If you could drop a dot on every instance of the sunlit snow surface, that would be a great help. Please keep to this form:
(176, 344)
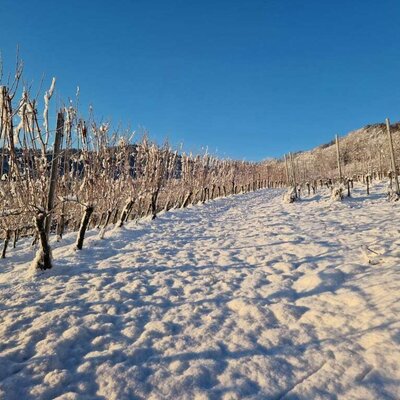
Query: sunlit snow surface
(242, 298)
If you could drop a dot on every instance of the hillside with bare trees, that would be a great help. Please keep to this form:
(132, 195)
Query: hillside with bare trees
(363, 151)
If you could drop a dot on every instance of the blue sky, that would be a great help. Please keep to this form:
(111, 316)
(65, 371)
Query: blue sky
(248, 79)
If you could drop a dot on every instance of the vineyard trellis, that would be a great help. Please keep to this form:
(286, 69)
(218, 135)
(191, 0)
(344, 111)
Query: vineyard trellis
(83, 174)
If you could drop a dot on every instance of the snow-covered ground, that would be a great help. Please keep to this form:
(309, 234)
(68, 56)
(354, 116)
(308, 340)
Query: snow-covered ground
(242, 298)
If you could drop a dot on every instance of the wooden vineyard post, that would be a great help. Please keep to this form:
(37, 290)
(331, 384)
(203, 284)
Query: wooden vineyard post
(15, 238)
(54, 169)
(3, 95)
(287, 171)
(338, 158)
(293, 173)
(43, 256)
(83, 226)
(393, 161)
(6, 241)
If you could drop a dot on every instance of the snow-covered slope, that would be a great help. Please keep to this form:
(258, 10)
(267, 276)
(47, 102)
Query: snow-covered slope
(362, 151)
(243, 298)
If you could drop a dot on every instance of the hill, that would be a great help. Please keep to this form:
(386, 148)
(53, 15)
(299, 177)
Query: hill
(363, 151)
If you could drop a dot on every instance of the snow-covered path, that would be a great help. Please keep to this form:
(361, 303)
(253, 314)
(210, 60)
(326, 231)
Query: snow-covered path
(244, 297)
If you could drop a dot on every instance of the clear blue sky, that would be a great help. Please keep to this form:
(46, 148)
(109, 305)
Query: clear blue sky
(251, 79)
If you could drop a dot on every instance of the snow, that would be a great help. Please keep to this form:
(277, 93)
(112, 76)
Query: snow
(241, 298)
